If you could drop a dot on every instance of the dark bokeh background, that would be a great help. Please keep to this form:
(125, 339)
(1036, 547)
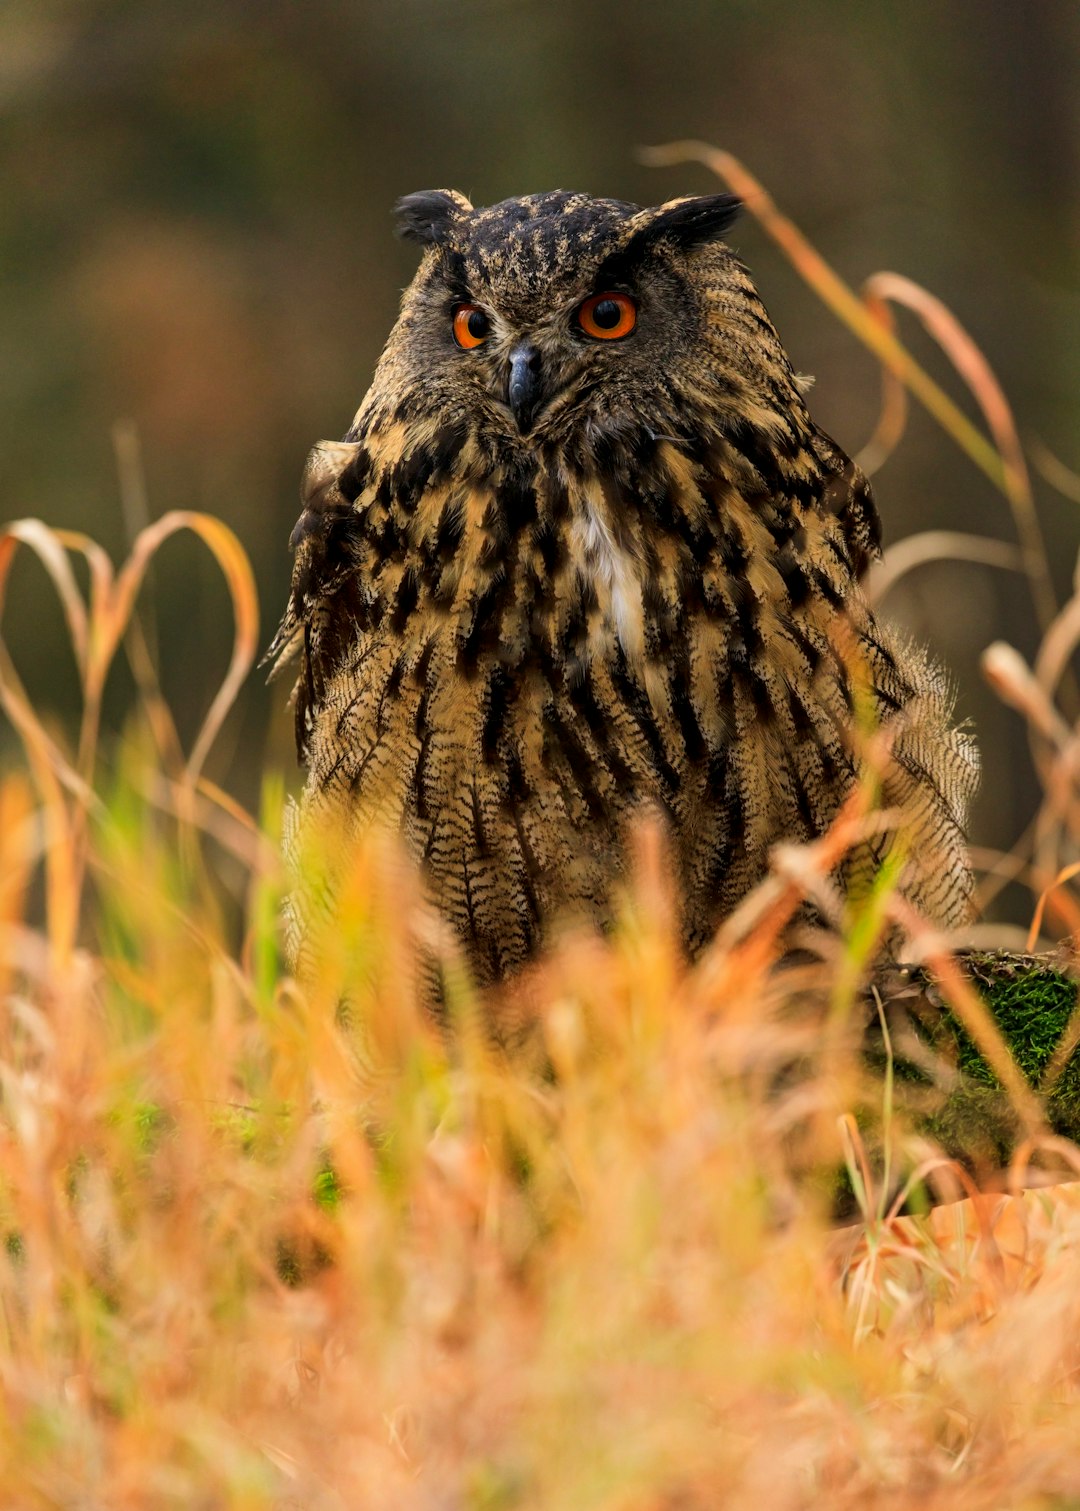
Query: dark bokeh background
(195, 238)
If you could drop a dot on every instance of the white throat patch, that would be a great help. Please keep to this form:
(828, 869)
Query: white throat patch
(614, 574)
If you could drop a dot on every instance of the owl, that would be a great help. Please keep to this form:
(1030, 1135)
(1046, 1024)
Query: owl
(584, 555)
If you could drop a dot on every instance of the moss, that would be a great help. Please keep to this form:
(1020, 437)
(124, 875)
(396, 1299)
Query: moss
(1033, 1000)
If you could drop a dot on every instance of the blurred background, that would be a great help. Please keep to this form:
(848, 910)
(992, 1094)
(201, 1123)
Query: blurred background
(196, 246)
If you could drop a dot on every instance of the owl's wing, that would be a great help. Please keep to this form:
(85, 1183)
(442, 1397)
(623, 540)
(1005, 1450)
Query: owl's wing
(323, 540)
(848, 496)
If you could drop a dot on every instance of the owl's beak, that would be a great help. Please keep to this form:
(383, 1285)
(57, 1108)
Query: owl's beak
(524, 387)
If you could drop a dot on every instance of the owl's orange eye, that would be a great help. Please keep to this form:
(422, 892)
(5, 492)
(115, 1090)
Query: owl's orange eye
(608, 317)
(471, 326)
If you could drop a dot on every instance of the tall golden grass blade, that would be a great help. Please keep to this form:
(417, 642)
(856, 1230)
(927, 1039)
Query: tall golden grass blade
(48, 547)
(16, 827)
(20, 710)
(977, 373)
(234, 564)
(217, 814)
(141, 640)
(96, 670)
(893, 414)
(937, 545)
(90, 643)
(839, 297)
(1059, 642)
(1015, 684)
(1054, 471)
(155, 706)
(1001, 468)
(95, 636)
(1065, 874)
(50, 772)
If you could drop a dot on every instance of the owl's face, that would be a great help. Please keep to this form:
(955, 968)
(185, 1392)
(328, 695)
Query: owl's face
(538, 314)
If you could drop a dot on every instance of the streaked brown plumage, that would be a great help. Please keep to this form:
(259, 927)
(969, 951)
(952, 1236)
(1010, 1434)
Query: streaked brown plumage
(553, 580)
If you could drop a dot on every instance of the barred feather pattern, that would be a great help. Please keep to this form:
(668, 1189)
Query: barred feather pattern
(511, 648)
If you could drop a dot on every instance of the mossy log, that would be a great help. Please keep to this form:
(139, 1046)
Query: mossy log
(940, 1075)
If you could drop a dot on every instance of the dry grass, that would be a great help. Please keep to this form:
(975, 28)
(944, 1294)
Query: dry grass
(258, 1252)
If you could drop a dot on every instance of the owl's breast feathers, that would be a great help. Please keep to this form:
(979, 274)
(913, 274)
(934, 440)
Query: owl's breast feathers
(510, 651)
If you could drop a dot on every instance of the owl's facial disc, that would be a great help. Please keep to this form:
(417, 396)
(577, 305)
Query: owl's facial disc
(602, 317)
(525, 376)
(522, 387)
(539, 314)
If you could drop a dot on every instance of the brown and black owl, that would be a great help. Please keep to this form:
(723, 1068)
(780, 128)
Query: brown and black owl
(584, 553)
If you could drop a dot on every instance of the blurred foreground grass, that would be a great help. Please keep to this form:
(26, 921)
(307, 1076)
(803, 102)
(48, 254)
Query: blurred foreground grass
(260, 1251)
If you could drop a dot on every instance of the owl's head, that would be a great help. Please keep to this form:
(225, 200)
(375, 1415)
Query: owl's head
(542, 314)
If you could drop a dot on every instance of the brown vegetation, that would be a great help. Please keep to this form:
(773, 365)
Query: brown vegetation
(258, 1251)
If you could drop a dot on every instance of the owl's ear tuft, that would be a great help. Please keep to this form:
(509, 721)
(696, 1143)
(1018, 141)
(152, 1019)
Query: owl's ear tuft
(428, 217)
(688, 222)
(685, 223)
(691, 221)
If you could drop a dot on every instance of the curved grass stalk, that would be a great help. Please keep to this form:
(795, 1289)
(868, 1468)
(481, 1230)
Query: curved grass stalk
(96, 627)
(1003, 462)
